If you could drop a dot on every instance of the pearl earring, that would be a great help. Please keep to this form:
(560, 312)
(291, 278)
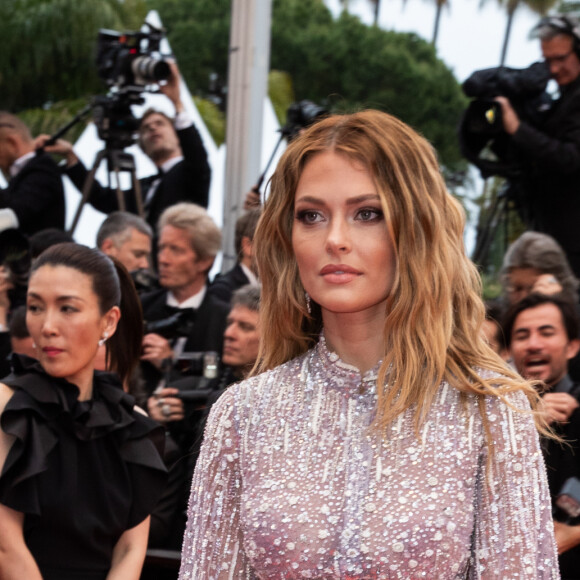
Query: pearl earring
(103, 340)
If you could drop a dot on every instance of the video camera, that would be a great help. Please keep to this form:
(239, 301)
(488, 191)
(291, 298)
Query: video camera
(482, 139)
(131, 58)
(129, 63)
(299, 116)
(178, 324)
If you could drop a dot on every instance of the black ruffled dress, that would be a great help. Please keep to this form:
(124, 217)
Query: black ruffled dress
(82, 472)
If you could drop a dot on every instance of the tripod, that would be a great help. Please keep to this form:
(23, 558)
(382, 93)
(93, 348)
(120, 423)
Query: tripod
(118, 161)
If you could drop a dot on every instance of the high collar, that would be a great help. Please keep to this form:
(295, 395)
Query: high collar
(325, 365)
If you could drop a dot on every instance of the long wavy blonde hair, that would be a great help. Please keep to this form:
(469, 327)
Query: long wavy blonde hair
(434, 311)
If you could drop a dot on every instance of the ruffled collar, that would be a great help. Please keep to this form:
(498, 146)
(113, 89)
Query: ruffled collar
(109, 410)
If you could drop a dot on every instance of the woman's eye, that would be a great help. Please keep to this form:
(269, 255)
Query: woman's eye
(308, 216)
(32, 308)
(370, 214)
(68, 309)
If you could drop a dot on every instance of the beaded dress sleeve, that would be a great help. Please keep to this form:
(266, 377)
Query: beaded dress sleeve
(513, 535)
(293, 482)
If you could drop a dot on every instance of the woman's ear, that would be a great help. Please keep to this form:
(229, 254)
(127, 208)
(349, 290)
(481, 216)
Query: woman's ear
(111, 319)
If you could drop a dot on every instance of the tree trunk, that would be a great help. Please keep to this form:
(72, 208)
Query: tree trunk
(506, 38)
(436, 26)
(377, 4)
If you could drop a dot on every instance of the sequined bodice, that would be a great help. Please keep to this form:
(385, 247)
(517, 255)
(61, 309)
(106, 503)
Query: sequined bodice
(293, 483)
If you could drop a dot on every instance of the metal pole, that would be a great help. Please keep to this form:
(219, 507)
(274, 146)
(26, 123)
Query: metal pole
(247, 90)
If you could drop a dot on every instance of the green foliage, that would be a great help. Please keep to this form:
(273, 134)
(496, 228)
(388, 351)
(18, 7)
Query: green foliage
(51, 119)
(214, 119)
(352, 66)
(281, 93)
(49, 47)
(198, 31)
(341, 63)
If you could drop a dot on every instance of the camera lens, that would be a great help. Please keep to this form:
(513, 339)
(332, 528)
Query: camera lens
(147, 69)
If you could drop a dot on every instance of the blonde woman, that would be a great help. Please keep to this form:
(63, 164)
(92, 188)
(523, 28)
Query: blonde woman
(383, 437)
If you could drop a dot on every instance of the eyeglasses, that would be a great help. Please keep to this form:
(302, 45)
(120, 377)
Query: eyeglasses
(559, 59)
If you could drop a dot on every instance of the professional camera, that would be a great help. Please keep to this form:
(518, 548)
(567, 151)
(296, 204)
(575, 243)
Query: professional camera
(300, 115)
(178, 324)
(568, 499)
(16, 259)
(481, 136)
(131, 58)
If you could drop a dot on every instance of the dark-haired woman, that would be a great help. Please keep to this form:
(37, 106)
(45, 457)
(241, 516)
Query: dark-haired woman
(81, 469)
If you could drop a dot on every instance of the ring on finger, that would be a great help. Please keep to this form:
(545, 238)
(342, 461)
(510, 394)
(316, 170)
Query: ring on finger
(166, 410)
(160, 402)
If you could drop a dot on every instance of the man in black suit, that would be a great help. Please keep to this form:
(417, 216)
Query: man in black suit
(550, 149)
(541, 333)
(244, 272)
(34, 198)
(189, 241)
(175, 147)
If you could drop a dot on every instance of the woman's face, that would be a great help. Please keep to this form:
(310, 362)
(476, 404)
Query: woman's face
(64, 319)
(340, 238)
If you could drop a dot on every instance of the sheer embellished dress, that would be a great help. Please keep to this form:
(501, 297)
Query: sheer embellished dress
(82, 472)
(291, 483)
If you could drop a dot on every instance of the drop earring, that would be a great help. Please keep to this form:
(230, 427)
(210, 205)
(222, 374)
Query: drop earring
(308, 305)
(104, 339)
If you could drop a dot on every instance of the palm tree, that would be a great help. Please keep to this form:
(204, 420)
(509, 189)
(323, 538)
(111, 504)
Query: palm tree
(539, 6)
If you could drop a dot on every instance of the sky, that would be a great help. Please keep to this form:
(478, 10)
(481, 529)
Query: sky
(470, 35)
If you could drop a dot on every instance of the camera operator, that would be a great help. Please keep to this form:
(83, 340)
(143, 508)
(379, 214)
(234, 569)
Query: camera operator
(551, 149)
(189, 241)
(174, 146)
(34, 198)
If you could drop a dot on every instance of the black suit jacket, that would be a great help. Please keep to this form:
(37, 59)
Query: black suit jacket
(207, 333)
(225, 284)
(551, 180)
(36, 195)
(188, 180)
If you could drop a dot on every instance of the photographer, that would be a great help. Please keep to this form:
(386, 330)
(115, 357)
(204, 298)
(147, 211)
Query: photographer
(551, 147)
(189, 241)
(34, 198)
(176, 149)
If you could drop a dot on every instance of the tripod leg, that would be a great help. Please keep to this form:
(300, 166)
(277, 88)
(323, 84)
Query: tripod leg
(120, 196)
(138, 195)
(88, 185)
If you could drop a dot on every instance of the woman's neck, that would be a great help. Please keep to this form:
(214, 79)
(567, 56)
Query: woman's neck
(356, 338)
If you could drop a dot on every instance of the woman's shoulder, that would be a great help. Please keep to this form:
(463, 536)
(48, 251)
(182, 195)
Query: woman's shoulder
(259, 391)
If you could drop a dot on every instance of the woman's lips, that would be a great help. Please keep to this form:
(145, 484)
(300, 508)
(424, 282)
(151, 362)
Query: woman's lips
(339, 273)
(51, 351)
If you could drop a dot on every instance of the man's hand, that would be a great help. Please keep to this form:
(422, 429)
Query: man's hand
(567, 537)
(164, 406)
(547, 284)
(558, 407)
(252, 199)
(60, 147)
(171, 88)
(5, 285)
(511, 121)
(156, 349)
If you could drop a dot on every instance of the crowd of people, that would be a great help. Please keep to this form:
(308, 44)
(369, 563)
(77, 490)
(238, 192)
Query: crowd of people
(340, 404)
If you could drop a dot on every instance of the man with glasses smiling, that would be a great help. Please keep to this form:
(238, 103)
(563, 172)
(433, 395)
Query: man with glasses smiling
(550, 150)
